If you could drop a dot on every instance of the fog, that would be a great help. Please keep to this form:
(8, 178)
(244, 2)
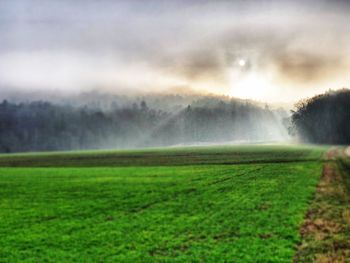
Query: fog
(95, 120)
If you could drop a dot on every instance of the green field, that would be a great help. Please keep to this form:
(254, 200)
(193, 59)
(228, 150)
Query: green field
(196, 204)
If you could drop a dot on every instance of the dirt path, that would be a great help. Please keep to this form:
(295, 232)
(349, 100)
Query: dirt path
(326, 228)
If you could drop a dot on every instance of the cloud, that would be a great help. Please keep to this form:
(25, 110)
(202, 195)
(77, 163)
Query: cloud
(307, 68)
(160, 44)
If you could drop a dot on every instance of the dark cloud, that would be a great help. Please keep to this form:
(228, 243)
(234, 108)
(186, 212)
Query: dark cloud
(195, 65)
(307, 68)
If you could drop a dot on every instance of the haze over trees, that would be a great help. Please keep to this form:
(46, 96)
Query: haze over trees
(46, 126)
(324, 118)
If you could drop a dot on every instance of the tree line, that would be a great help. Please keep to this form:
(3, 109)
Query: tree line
(45, 126)
(48, 126)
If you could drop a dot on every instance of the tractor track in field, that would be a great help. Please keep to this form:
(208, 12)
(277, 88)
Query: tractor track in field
(192, 190)
(114, 163)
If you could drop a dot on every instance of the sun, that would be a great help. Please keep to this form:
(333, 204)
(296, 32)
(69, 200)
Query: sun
(242, 62)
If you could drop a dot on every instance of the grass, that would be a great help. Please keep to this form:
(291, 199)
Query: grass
(183, 205)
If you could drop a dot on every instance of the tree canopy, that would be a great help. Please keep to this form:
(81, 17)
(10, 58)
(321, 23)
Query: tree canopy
(323, 119)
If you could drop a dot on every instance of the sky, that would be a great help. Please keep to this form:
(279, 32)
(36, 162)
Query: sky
(273, 51)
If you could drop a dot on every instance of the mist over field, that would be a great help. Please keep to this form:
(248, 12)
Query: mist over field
(99, 120)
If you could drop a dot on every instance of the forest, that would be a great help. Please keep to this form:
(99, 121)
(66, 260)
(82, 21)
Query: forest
(47, 126)
(172, 120)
